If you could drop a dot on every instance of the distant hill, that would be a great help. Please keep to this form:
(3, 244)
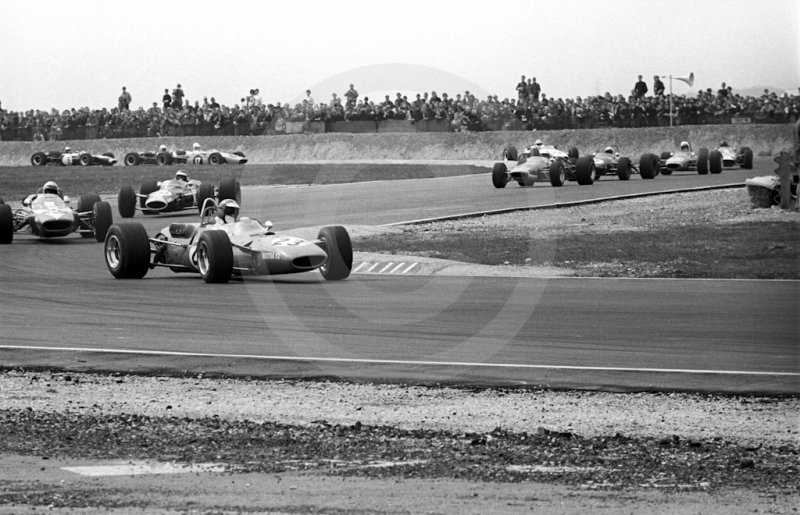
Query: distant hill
(757, 91)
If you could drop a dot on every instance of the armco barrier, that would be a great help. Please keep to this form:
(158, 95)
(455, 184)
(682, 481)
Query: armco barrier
(433, 126)
(357, 127)
(396, 126)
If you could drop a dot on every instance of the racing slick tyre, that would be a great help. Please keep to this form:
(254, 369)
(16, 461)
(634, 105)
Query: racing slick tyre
(585, 171)
(39, 159)
(86, 159)
(147, 187)
(215, 257)
(230, 189)
(665, 155)
(126, 202)
(86, 202)
(573, 153)
(557, 173)
(336, 243)
(715, 161)
(216, 159)
(647, 166)
(510, 153)
(102, 220)
(6, 224)
(702, 161)
(499, 175)
(624, 168)
(163, 159)
(747, 152)
(132, 159)
(206, 191)
(127, 250)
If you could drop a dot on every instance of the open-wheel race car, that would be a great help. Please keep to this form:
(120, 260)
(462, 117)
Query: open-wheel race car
(731, 156)
(610, 162)
(217, 250)
(68, 157)
(536, 163)
(49, 216)
(195, 156)
(177, 194)
(684, 160)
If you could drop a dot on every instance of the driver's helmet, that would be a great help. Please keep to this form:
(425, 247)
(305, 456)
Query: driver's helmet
(723, 144)
(538, 143)
(609, 150)
(67, 149)
(684, 145)
(181, 176)
(228, 207)
(162, 148)
(50, 187)
(196, 146)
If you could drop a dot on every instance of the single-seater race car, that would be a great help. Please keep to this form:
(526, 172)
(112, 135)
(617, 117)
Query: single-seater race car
(50, 216)
(731, 156)
(217, 250)
(684, 160)
(610, 162)
(174, 195)
(536, 163)
(198, 156)
(68, 157)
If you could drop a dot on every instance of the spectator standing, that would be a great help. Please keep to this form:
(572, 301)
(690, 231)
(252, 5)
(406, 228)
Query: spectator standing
(124, 101)
(658, 86)
(179, 94)
(522, 90)
(351, 95)
(534, 90)
(166, 99)
(309, 98)
(640, 88)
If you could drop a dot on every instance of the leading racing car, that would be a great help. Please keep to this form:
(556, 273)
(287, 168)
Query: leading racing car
(196, 156)
(731, 157)
(537, 162)
(685, 159)
(69, 157)
(216, 248)
(48, 215)
(172, 195)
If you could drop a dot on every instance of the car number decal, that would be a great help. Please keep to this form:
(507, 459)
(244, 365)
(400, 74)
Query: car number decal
(287, 242)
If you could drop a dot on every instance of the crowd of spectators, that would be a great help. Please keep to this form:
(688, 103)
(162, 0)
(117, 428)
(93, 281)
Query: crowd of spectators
(176, 115)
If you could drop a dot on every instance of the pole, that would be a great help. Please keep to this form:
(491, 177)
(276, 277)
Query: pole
(670, 100)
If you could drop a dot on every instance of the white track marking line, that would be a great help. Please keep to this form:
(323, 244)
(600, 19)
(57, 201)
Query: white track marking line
(359, 266)
(370, 269)
(395, 269)
(403, 362)
(410, 267)
(136, 469)
(386, 267)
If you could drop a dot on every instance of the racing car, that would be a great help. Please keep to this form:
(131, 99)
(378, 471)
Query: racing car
(610, 162)
(731, 157)
(68, 157)
(536, 163)
(218, 250)
(50, 216)
(685, 159)
(195, 156)
(174, 195)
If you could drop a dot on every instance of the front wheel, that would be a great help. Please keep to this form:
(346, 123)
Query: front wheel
(647, 166)
(86, 159)
(499, 178)
(336, 243)
(126, 202)
(702, 161)
(127, 250)
(557, 173)
(624, 168)
(216, 159)
(585, 171)
(132, 159)
(103, 219)
(510, 153)
(215, 257)
(715, 161)
(6, 224)
(747, 152)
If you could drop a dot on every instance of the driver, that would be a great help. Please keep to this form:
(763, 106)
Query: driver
(50, 187)
(226, 208)
(685, 145)
(723, 144)
(181, 176)
(609, 150)
(196, 147)
(538, 143)
(162, 148)
(66, 150)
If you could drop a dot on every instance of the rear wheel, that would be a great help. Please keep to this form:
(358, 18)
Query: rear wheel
(132, 159)
(499, 175)
(702, 161)
(126, 202)
(665, 155)
(336, 243)
(86, 202)
(748, 158)
(557, 173)
(39, 159)
(647, 166)
(102, 220)
(715, 161)
(585, 171)
(624, 168)
(230, 189)
(6, 224)
(127, 250)
(216, 159)
(510, 153)
(573, 153)
(215, 257)
(163, 159)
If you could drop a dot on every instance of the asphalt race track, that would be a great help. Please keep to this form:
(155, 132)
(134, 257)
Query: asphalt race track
(62, 308)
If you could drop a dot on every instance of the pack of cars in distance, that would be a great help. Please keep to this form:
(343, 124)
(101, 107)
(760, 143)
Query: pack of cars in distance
(49, 215)
(69, 157)
(178, 194)
(196, 156)
(217, 248)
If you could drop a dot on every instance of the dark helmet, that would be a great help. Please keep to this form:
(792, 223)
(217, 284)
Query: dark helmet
(723, 144)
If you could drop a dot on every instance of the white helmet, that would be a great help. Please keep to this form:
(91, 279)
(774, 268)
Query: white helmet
(196, 146)
(684, 145)
(67, 149)
(162, 148)
(180, 175)
(228, 207)
(538, 143)
(609, 150)
(50, 187)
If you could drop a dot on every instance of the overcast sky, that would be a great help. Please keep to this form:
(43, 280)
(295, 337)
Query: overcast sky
(81, 52)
